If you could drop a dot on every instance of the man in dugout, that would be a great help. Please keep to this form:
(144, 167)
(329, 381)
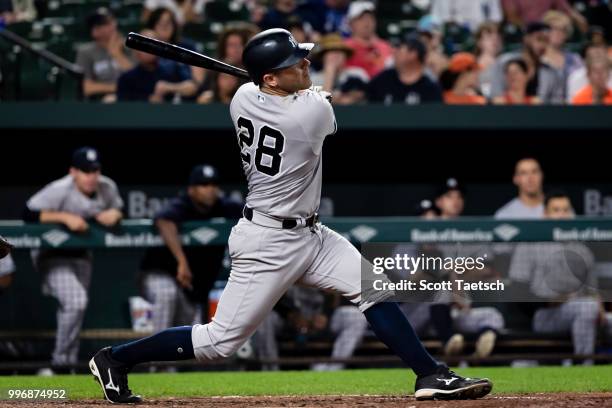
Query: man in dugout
(176, 278)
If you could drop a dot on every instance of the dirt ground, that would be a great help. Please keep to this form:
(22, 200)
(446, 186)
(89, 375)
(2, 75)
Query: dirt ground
(599, 400)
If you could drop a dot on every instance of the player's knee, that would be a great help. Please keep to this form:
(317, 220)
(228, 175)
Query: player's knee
(587, 309)
(164, 297)
(210, 344)
(76, 302)
(352, 317)
(495, 319)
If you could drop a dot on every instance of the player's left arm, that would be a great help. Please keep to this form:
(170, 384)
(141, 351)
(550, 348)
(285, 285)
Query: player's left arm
(112, 215)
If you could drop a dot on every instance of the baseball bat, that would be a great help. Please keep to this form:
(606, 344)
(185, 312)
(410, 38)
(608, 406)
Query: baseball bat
(174, 52)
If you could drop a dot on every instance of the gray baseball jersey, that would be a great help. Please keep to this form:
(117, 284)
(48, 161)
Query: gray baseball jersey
(281, 152)
(515, 209)
(63, 195)
(555, 269)
(7, 266)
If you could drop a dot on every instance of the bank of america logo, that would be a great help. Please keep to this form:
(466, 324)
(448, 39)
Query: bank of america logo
(506, 231)
(55, 237)
(363, 233)
(204, 235)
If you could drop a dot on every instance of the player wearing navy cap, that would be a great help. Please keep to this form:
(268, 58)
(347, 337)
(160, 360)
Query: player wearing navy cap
(75, 200)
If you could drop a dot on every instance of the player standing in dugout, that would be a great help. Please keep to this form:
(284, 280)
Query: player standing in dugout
(281, 126)
(82, 196)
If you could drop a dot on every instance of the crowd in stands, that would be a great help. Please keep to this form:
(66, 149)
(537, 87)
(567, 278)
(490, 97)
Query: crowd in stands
(479, 52)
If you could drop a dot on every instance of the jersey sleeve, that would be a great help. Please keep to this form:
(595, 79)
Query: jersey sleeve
(83, 59)
(174, 210)
(48, 199)
(522, 264)
(113, 197)
(318, 119)
(232, 208)
(7, 266)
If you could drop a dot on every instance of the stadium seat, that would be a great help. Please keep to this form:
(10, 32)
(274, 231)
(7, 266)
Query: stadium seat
(225, 11)
(202, 32)
(127, 9)
(398, 9)
(74, 8)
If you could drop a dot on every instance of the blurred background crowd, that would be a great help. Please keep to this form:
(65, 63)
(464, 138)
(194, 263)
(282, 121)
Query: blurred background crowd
(409, 52)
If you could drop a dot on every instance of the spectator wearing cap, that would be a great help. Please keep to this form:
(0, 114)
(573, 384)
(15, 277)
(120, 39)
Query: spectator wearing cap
(543, 80)
(427, 210)
(489, 44)
(82, 197)
(469, 14)
(579, 78)
(528, 179)
(176, 278)
(557, 56)
(523, 12)
(155, 82)
(406, 82)
(460, 81)
(430, 32)
(329, 59)
(449, 199)
(185, 11)
(598, 91)
(516, 73)
(370, 53)
(104, 59)
(352, 87)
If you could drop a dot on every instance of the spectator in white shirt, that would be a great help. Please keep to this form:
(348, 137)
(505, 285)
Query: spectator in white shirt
(467, 13)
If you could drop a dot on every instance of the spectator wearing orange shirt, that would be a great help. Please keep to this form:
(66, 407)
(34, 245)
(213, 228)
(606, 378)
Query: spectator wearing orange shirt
(370, 53)
(597, 92)
(460, 80)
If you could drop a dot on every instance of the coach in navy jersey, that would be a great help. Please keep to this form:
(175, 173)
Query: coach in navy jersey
(176, 278)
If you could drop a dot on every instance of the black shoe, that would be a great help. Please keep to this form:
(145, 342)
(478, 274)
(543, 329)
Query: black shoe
(112, 377)
(446, 385)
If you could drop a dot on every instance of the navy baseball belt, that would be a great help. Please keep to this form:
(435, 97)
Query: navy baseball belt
(265, 220)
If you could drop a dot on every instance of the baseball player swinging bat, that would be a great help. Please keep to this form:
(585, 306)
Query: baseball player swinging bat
(280, 126)
(174, 52)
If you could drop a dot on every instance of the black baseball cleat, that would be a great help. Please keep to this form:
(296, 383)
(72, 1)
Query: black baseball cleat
(112, 377)
(446, 385)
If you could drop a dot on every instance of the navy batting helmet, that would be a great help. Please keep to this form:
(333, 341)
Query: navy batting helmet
(271, 50)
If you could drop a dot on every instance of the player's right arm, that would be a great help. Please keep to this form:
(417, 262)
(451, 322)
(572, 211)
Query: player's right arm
(45, 207)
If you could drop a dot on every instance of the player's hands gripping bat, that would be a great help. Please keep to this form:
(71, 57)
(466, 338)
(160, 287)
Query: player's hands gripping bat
(174, 52)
